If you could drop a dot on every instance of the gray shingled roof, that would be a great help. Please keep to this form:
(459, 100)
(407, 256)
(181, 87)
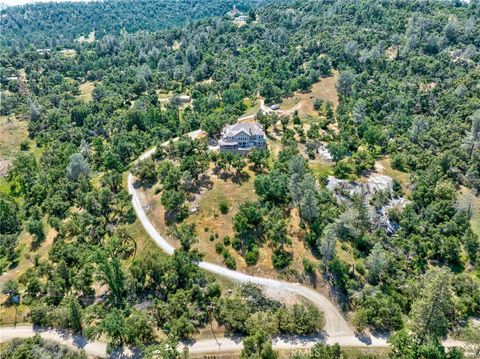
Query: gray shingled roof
(249, 128)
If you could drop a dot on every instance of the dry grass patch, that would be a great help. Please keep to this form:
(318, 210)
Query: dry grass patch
(163, 96)
(176, 45)
(239, 23)
(13, 131)
(325, 89)
(9, 316)
(86, 90)
(209, 216)
(89, 39)
(68, 53)
(206, 82)
(289, 102)
(384, 167)
(26, 253)
(391, 53)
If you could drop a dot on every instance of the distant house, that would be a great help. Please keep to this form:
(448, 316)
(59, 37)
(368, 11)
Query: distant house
(234, 11)
(242, 137)
(184, 98)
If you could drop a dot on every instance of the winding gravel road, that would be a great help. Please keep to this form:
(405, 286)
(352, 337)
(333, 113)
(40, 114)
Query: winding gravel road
(336, 329)
(336, 325)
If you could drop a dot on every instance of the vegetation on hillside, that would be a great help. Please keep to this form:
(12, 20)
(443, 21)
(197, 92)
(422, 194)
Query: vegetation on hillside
(59, 24)
(407, 89)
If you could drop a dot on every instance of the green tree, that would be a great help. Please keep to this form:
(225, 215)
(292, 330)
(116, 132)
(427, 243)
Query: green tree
(75, 314)
(258, 346)
(432, 311)
(111, 272)
(10, 289)
(78, 167)
(9, 215)
(139, 328)
(186, 234)
(173, 200)
(114, 326)
(259, 158)
(145, 170)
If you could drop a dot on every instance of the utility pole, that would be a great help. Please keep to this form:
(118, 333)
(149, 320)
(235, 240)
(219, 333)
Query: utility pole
(210, 307)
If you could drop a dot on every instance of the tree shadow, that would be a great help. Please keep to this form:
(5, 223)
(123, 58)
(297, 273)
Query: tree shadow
(364, 338)
(126, 353)
(144, 185)
(235, 177)
(36, 242)
(313, 279)
(257, 170)
(204, 183)
(14, 263)
(320, 337)
(240, 178)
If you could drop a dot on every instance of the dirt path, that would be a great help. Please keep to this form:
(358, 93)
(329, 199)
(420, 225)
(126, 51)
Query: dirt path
(202, 346)
(336, 329)
(336, 325)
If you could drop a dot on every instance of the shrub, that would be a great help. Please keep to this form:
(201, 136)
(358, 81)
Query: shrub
(251, 257)
(236, 243)
(281, 259)
(219, 248)
(308, 266)
(226, 240)
(229, 260)
(360, 268)
(300, 319)
(24, 146)
(223, 206)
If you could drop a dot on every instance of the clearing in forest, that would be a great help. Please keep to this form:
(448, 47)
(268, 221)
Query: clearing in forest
(325, 90)
(384, 167)
(13, 131)
(214, 227)
(467, 200)
(86, 90)
(89, 39)
(68, 53)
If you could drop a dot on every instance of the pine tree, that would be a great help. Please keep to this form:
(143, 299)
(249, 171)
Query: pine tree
(308, 206)
(327, 243)
(432, 311)
(75, 314)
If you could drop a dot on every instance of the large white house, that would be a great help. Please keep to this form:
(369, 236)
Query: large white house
(242, 137)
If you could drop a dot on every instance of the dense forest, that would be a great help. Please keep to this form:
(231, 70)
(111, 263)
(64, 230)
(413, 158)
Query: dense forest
(60, 23)
(408, 90)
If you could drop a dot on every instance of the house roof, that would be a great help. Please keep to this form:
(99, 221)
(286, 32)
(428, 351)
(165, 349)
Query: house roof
(249, 128)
